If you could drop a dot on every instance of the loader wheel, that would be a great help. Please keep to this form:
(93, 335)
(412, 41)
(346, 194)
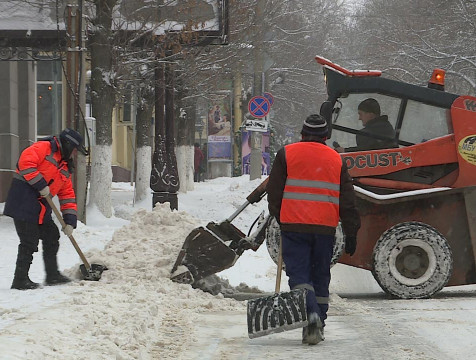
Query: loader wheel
(339, 245)
(412, 260)
(273, 236)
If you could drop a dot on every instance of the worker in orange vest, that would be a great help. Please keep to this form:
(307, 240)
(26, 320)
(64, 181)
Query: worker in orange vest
(309, 191)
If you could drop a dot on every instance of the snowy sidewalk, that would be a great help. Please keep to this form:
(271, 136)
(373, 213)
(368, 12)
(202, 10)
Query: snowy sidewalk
(356, 329)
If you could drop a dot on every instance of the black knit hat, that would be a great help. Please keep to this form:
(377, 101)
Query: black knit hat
(70, 140)
(370, 106)
(315, 125)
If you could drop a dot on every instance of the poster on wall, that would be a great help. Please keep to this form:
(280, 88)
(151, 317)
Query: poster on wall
(219, 129)
(246, 153)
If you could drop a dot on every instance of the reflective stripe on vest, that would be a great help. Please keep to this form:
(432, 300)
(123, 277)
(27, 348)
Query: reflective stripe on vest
(311, 193)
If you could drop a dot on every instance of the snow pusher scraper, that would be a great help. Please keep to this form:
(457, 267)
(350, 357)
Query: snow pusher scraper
(216, 247)
(278, 312)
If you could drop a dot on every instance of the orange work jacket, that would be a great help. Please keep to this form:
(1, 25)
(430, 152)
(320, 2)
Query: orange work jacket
(39, 165)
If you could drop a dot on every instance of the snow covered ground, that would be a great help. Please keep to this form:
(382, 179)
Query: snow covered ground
(136, 312)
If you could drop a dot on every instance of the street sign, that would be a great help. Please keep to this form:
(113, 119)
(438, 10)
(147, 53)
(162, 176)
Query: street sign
(256, 125)
(270, 98)
(259, 106)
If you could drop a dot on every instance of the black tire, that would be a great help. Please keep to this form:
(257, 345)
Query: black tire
(273, 236)
(339, 244)
(412, 260)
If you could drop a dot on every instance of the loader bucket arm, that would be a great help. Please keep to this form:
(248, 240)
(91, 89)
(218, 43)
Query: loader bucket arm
(216, 247)
(258, 193)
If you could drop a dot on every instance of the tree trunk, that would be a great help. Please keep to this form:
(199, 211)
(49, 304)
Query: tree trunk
(144, 148)
(102, 91)
(185, 139)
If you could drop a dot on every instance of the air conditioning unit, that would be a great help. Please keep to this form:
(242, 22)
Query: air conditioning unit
(91, 125)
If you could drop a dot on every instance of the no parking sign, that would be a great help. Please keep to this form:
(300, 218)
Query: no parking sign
(259, 106)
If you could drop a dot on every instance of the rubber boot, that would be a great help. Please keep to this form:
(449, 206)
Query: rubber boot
(21, 281)
(53, 276)
(24, 283)
(315, 330)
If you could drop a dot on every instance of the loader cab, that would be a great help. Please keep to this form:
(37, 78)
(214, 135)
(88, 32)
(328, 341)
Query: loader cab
(416, 115)
(401, 114)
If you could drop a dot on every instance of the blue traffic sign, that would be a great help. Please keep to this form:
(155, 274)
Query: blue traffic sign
(259, 106)
(270, 98)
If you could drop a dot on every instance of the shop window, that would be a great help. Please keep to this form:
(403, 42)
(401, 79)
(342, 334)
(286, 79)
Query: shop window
(127, 106)
(49, 97)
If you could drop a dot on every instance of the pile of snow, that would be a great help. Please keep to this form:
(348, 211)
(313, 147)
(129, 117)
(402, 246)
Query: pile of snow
(134, 295)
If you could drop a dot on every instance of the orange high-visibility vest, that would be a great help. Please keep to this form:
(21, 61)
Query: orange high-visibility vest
(311, 193)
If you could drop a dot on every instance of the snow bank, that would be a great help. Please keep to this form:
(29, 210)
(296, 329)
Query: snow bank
(134, 312)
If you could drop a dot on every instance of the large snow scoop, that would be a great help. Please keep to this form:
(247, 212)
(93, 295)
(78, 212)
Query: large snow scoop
(88, 271)
(278, 312)
(216, 247)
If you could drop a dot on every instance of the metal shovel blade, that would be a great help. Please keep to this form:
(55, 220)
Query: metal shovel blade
(203, 253)
(94, 273)
(276, 313)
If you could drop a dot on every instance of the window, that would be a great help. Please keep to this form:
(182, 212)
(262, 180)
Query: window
(345, 114)
(49, 97)
(423, 122)
(127, 106)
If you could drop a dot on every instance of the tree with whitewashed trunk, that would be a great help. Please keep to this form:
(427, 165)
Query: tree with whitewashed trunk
(127, 40)
(145, 109)
(103, 101)
(185, 119)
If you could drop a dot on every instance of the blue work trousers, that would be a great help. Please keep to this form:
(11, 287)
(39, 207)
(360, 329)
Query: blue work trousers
(308, 265)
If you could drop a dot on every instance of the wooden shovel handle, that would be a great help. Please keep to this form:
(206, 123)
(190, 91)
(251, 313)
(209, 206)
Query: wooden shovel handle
(71, 238)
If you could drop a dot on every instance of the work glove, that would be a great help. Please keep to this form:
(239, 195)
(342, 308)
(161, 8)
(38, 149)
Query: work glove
(68, 230)
(45, 191)
(350, 244)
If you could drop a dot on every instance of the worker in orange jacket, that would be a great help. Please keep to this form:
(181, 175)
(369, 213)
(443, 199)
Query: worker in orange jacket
(43, 169)
(309, 191)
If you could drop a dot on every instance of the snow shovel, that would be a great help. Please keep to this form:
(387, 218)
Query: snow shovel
(279, 312)
(90, 272)
(216, 247)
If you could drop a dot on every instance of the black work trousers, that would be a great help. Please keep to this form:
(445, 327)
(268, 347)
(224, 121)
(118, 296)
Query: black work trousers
(30, 235)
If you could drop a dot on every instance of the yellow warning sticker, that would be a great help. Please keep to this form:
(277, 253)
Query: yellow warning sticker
(467, 149)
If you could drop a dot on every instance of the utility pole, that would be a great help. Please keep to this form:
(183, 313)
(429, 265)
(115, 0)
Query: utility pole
(238, 116)
(76, 95)
(258, 89)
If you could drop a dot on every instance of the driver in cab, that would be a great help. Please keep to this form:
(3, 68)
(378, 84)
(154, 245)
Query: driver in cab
(377, 132)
